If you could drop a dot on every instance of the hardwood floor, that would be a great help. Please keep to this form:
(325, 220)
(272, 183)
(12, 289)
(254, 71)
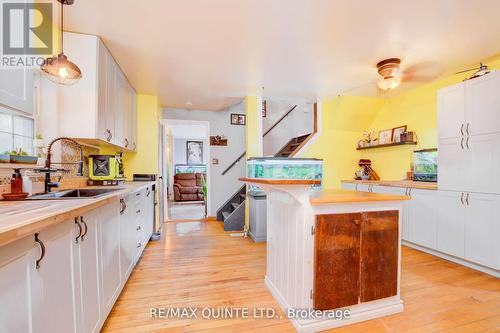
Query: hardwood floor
(199, 265)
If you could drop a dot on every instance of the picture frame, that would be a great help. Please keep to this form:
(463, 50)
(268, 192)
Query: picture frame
(194, 152)
(238, 119)
(396, 133)
(385, 136)
(264, 109)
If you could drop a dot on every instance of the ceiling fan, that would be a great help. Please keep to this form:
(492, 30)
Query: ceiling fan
(479, 71)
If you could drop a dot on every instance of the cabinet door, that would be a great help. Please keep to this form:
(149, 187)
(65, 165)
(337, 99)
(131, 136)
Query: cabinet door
(110, 255)
(52, 287)
(88, 272)
(120, 106)
(111, 69)
(422, 218)
(133, 121)
(15, 304)
(482, 228)
(16, 89)
(483, 164)
(127, 239)
(451, 111)
(451, 223)
(379, 255)
(453, 161)
(102, 92)
(483, 104)
(336, 261)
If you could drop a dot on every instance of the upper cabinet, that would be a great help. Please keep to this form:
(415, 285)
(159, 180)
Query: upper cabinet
(16, 89)
(469, 131)
(98, 109)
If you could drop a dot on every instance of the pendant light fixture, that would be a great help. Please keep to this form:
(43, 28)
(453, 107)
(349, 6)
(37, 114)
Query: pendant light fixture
(58, 68)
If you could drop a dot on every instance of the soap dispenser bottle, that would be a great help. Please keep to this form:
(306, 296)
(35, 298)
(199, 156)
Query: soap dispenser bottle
(16, 183)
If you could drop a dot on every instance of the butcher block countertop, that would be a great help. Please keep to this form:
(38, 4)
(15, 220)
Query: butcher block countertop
(325, 197)
(19, 219)
(396, 183)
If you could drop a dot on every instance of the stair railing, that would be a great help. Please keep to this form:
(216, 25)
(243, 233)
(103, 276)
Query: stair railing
(265, 133)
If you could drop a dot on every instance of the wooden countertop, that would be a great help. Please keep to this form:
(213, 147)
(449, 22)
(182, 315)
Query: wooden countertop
(19, 219)
(396, 183)
(323, 197)
(281, 181)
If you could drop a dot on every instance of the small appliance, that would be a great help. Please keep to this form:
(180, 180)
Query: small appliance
(103, 167)
(425, 165)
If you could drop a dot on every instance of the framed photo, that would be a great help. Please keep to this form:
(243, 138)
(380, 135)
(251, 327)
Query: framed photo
(264, 109)
(194, 152)
(385, 136)
(396, 133)
(238, 119)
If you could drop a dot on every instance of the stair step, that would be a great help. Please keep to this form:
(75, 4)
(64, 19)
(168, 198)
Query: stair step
(235, 205)
(225, 215)
(243, 196)
(294, 144)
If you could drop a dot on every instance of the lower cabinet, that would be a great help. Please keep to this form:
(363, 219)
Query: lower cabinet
(451, 223)
(422, 218)
(355, 258)
(68, 277)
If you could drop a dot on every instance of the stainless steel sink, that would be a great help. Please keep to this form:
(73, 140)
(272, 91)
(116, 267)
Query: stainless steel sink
(72, 194)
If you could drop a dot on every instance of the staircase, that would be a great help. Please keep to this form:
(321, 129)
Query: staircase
(292, 146)
(233, 211)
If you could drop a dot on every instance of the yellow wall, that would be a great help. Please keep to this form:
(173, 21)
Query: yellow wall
(345, 118)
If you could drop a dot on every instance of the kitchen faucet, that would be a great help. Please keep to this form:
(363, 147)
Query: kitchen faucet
(48, 162)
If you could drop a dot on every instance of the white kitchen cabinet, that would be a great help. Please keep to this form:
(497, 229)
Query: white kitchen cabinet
(483, 104)
(405, 232)
(52, 287)
(86, 260)
(15, 299)
(482, 163)
(17, 89)
(451, 115)
(96, 109)
(451, 223)
(422, 217)
(453, 164)
(482, 228)
(110, 255)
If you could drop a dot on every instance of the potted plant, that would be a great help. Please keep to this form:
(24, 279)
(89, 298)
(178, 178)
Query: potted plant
(38, 141)
(205, 193)
(20, 156)
(5, 157)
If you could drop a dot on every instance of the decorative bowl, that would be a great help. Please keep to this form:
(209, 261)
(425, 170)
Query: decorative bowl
(23, 159)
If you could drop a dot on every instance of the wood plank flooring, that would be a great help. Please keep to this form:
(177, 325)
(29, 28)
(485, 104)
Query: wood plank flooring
(199, 265)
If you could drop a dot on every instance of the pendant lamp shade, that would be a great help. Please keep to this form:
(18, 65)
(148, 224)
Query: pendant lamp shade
(60, 70)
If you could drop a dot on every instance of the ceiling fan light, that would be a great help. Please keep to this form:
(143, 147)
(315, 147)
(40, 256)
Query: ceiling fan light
(60, 70)
(387, 83)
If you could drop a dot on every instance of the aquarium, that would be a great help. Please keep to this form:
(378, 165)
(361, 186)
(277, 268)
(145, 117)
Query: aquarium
(190, 168)
(284, 168)
(425, 165)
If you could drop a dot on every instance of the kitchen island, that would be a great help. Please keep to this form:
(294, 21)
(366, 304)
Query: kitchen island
(332, 249)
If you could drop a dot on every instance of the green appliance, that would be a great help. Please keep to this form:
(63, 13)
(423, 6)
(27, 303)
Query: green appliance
(103, 167)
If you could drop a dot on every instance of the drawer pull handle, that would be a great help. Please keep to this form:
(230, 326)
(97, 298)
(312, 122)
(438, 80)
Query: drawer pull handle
(139, 245)
(462, 198)
(467, 129)
(462, 143)
(467, 143)
(138, 228)
(138, 211)
(86, 227)
(467, 199)
(462, 129)
(79, 229)
(42, 249)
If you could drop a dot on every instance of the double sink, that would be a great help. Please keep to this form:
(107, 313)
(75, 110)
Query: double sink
(72, 194)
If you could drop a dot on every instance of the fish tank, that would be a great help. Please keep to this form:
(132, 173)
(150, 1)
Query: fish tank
(190, 168)
(283, 168)
(425, 165)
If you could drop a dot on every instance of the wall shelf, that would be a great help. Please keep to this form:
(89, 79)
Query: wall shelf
(20, 166)
(413, 143)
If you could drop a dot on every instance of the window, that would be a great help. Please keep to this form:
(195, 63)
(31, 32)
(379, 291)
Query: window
(15, 132)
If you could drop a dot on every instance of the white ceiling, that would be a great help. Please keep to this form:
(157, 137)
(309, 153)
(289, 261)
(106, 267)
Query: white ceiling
(214, 52)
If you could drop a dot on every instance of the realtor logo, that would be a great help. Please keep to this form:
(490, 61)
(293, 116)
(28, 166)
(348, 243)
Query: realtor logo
(26, 28)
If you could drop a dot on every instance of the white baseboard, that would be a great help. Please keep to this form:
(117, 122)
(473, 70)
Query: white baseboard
(359, 313)
(456, 260)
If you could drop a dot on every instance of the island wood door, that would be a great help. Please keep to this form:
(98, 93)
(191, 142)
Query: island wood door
(379, 255)
(336, 261)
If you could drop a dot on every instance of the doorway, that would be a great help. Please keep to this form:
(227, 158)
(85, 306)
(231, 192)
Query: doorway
(187, 157)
